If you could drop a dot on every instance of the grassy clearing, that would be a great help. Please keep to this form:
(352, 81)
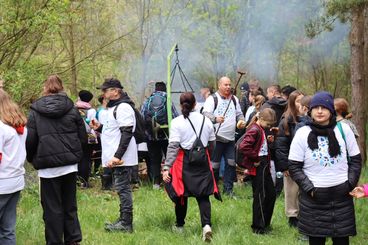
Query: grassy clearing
(154, 216)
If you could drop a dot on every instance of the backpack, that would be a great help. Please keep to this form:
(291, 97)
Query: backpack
(240, 159)
(198, 153)
(157, 108)
(91, 134)
(139, 132)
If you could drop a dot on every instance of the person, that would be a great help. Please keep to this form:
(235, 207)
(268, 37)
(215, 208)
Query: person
(186, 178)
(154, 111)
(318, 163)
(13, 135)
(278, 104)
(88, 113)
(204, 92)
(360, 191)
(343, 115)
(304, 118)
(283, 140)
(55, 139)
(286, 91)
(119, 148)
(244, 98)
(226, 115)
(255, 148)
(252, 100)
(106, 175)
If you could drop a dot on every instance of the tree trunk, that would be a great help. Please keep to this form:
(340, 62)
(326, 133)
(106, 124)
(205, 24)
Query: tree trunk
(356, 40)
(72, 60)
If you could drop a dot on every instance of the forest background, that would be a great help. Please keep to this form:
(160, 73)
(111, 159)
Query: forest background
(312, 45)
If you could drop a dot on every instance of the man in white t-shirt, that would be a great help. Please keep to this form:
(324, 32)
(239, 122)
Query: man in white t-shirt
(223, 109)
(119, 148)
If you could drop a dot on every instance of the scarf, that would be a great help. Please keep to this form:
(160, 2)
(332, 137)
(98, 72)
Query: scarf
(324, 130)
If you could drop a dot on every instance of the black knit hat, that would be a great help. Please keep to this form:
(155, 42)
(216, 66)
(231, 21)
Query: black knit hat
(85, 95)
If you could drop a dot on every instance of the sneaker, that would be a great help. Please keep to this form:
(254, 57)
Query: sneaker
(156, 186)
(207, 233)
(177, 229)
(303, 238)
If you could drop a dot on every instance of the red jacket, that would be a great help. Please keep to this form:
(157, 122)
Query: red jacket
(251, 145)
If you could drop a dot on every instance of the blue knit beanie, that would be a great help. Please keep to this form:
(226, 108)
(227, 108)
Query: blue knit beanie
(324, 99)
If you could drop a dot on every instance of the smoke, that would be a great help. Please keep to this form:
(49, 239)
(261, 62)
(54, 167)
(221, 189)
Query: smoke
(216, 38)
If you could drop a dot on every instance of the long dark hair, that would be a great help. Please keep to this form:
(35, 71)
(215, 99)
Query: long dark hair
(292, 111)
(187, 102)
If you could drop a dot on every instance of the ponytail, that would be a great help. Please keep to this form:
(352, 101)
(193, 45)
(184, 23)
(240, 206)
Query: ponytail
(187, 102)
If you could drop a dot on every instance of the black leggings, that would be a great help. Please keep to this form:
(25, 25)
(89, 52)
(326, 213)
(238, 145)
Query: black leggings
(322, 240)
(204, 209)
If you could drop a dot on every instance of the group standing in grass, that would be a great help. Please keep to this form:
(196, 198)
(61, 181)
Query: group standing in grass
(314, 146)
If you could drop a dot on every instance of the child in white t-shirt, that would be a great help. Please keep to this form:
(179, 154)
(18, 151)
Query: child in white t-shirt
(257, 159)
(12, 155)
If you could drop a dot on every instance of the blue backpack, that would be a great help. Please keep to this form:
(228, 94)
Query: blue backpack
(156, 109)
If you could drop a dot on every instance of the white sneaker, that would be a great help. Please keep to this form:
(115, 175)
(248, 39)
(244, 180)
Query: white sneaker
(156, 187)
(207, 233)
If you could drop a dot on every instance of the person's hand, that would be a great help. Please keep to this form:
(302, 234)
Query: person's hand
(220, 119)
(115, 162)
(358, 192)
(270, 138)
(274, 130)
(286, 173)
(165, 176)
(94, 124)
(241, 124)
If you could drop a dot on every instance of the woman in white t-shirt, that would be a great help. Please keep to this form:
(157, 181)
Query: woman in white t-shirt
(12, 155)
(318, 163)
(186, 178)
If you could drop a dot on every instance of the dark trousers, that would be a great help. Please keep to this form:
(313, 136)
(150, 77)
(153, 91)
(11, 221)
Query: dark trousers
(335, 240)
(204, 209)
(122, 178)
(84, 166)
(157, 149)
(8, 215)
(264, 196)
(58, 199)
(227, 151)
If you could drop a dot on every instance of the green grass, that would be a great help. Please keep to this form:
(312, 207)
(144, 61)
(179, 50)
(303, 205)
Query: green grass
(154, 216)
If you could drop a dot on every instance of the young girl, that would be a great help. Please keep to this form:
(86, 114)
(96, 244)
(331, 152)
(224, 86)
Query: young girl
(285, 136)
(343, 115)
(255, 150)
(12, 155)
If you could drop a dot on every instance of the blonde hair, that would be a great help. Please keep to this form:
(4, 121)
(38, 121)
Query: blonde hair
(9, 111)
(259, 100)
(342, 108)
(266, 114)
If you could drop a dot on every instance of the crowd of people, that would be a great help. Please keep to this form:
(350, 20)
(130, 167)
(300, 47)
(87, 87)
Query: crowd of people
(302, 145)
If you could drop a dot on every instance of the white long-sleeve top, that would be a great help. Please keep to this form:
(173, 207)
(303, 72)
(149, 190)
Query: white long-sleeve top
(13, 151)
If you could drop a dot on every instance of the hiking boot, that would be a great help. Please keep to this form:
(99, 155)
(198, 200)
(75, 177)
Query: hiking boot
(119, 226)
(124, 224)
(207, 233)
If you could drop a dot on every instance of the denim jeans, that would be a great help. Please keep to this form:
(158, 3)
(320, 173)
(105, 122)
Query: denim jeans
(122, 178)
(227, 151)
(8, 206)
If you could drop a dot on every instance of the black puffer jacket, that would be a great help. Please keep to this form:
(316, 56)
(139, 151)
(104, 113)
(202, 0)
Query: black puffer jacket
(56, 132)
(330, 212)
(282, 144)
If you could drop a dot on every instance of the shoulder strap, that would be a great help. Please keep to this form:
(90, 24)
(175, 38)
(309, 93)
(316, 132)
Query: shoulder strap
(215, 100)
(114, 112)
(200, 132)
(234, 100)
(338, 124)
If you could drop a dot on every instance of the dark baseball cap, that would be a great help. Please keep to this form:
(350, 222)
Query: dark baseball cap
(110, 83)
